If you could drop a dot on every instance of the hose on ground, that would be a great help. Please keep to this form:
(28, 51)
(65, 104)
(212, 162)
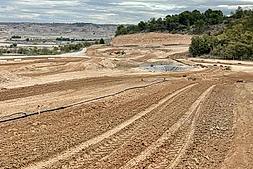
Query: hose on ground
(19, 115)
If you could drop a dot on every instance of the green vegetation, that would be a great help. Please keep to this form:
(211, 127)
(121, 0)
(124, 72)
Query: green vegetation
(234, 42)
(226, 37)
(101, 41)
(186, 22)
(16, 37)
(69, 39)
(74, 39)
(45, 51)
(15, 49)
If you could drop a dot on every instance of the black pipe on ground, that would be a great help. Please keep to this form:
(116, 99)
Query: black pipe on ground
(24, 115)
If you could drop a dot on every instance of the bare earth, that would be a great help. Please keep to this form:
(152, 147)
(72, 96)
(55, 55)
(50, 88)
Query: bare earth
(196, 118)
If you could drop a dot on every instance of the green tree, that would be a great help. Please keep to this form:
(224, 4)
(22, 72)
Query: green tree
(160, 24)
(235, 42)
(202, 45)
(101, 41)
(199, 26)
(142, 26)
(185, 18)
(238, 13)
(120, 30)
(195, 16)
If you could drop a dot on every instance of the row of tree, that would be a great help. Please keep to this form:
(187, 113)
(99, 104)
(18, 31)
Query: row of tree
(188, 22)
(101, 41)
(234, 42)
(16, 37)
(73, 39)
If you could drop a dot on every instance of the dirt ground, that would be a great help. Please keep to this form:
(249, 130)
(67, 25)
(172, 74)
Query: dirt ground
(151, 39)
(196, 118)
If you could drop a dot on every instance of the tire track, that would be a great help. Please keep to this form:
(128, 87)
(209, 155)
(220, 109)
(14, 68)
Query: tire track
(217, 117)
(182, 147)
(96, 155)
(172, 147)
(188, 141)
(152, 127)
(173, 156)
(105, 135)
(154, 146)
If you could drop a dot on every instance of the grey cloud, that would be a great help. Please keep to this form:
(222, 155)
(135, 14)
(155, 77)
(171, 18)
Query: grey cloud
(106, 11)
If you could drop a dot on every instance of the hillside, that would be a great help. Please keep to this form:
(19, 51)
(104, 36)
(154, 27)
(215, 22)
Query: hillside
(234, 42)
(55, 30)
(151, 39)
(222, 37)
(188, 22)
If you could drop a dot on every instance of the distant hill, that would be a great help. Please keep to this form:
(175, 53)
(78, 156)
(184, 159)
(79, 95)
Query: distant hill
(54, 30)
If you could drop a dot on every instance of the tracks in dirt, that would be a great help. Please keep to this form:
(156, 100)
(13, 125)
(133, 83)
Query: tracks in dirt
(55, 86)
(151, 128)
(23, 115)
(180, 149)
(142, 136)
(67, 154)
(170, 123)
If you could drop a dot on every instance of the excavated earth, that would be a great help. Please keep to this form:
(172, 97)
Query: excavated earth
(199, 118)
(176, 124)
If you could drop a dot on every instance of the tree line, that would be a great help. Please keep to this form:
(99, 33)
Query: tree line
(234, 42)
(73, 39)
(193, 22)
(45, 51)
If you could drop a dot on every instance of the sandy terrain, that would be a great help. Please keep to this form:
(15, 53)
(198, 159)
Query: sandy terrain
(235, 65)
(151, 39)
(196, 118)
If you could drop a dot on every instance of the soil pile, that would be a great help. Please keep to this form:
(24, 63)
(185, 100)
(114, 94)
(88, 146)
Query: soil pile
(151, 39)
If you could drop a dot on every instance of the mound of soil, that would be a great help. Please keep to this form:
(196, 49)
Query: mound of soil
(151, 39)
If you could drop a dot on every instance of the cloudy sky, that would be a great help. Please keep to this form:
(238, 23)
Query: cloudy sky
(106, 11)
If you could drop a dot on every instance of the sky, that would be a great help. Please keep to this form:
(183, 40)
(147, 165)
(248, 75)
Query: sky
(107, 11)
